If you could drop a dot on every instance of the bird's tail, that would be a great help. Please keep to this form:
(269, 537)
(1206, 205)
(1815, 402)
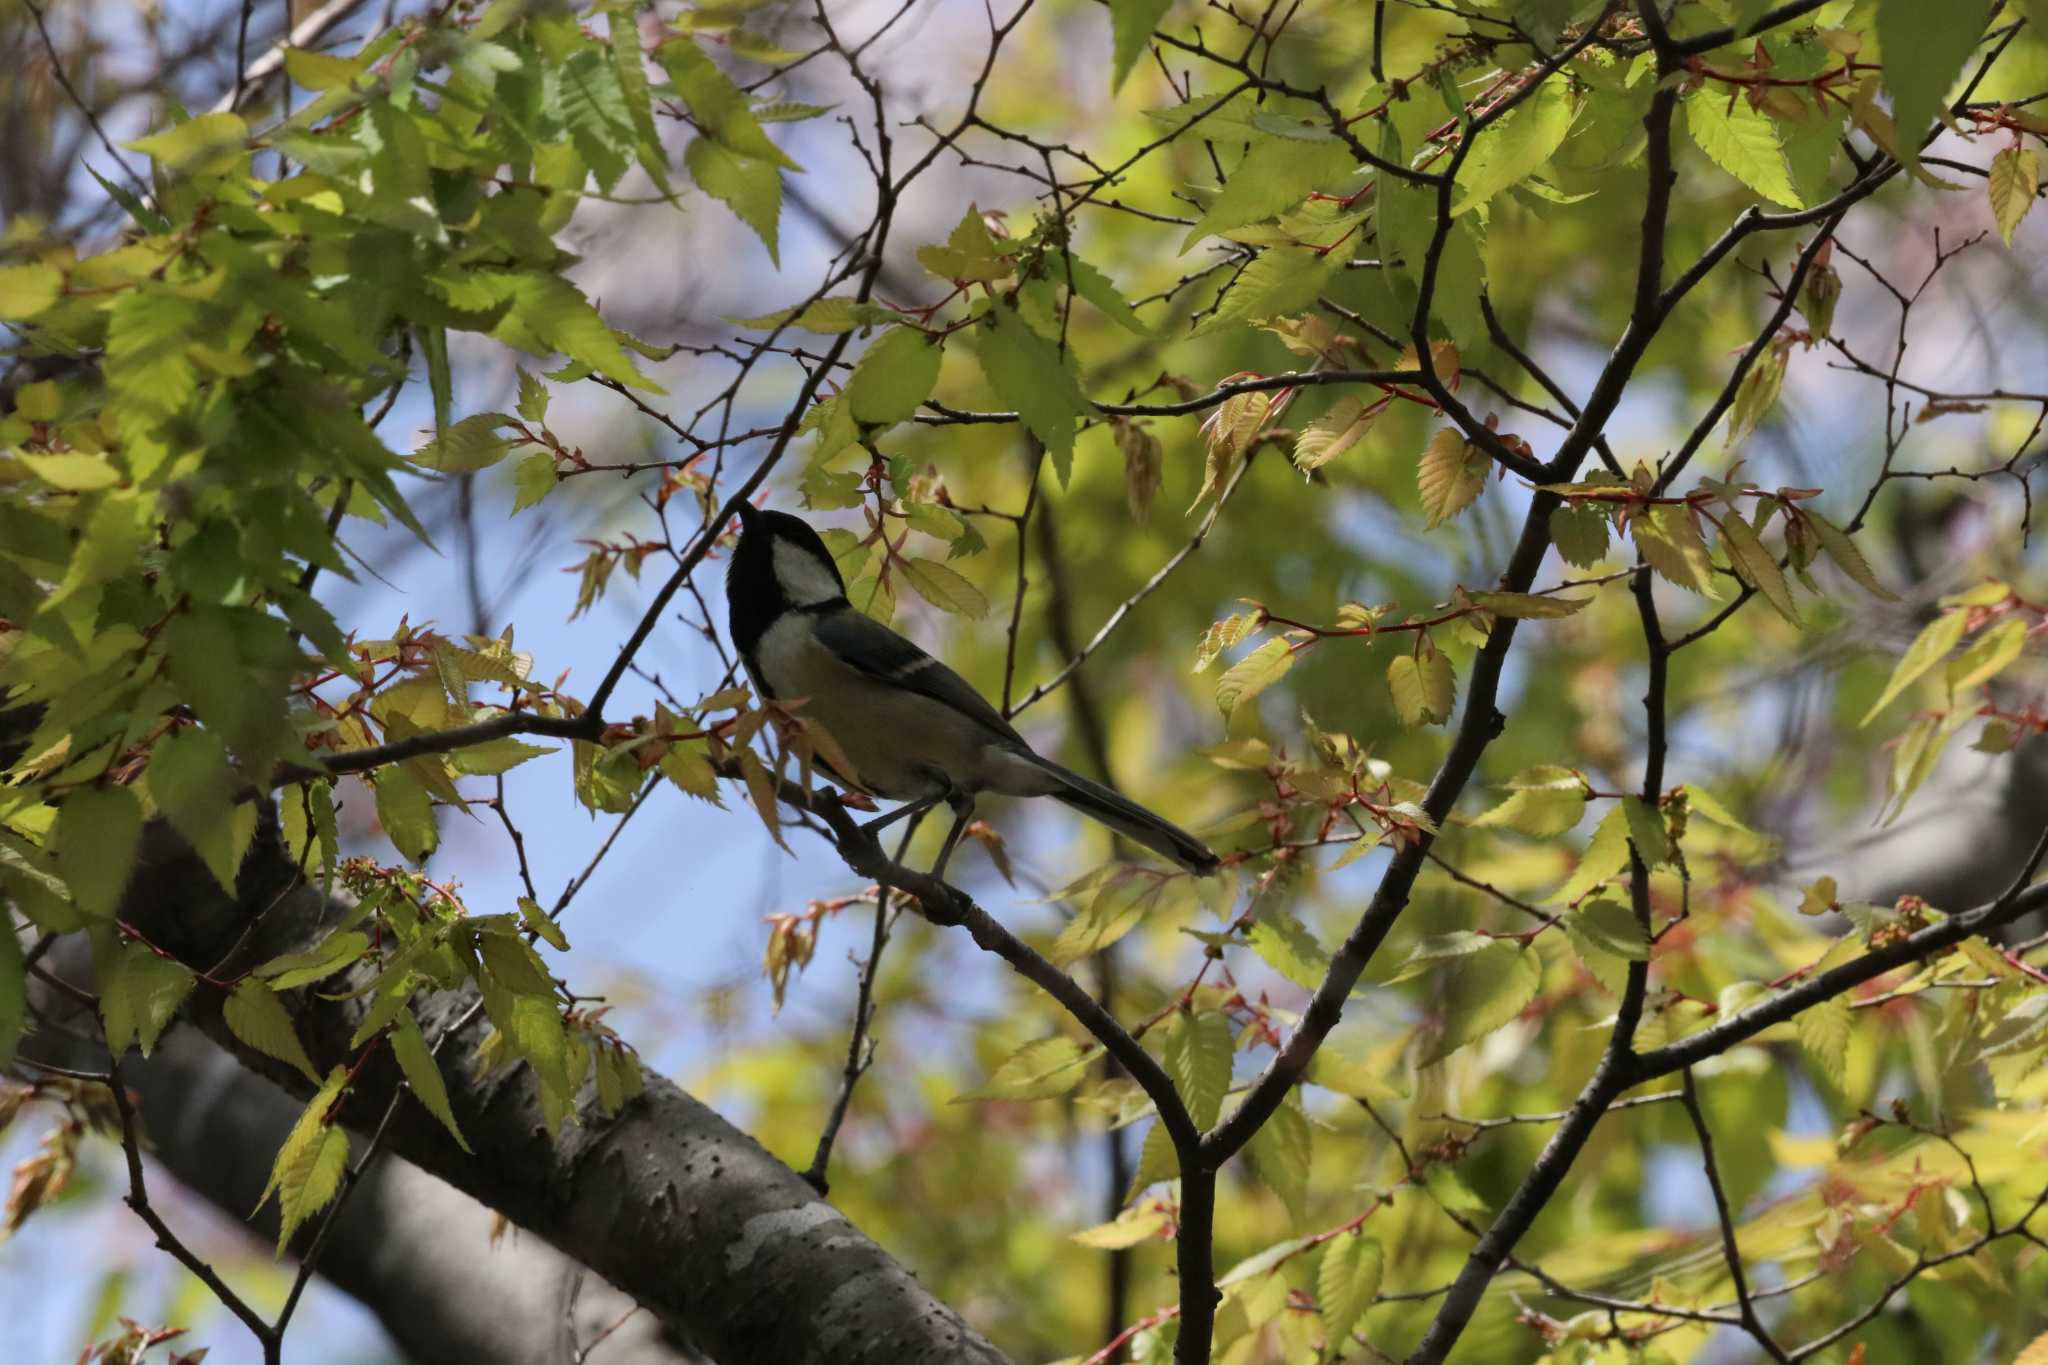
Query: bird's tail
(1132, 820)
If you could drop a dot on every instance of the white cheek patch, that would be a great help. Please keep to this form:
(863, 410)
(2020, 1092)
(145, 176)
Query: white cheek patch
(805, 579)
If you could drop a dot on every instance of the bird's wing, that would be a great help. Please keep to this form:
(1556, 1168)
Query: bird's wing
(869, 647)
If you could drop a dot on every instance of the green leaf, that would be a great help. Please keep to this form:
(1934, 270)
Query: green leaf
(423, 1073)
(1253, 674)
(1517, 147)
(1925, 47)
(1580, 534)
(1113, 911)
(1281, 1151)
(1096, 287)
(27, 290)
(1198, 1054)
(1929, 648)
(1347, 1281)
(1131, 23)
(1475, 994)
(1669, 539)
(1755, 565)
(1222, 635)
(407, 814)
(533, 478)
(1036, 378)
(255, 1015)
(1287, 946)
(548, 314)
(210, 144)
(139, 995)
(1040, 1070)
(1424, 688)
(2014, 182)
(231, 664)
(536, 919)
(895, 375)
(1987, 656)
(288, 971)
(1338, 429)
(1451, 475)
(943, 587)
(1542, 814)
(189, 779)
(1436, 949)
(1645, 830)
(1743, 142)
(308, 1169)
(1847, 557)
(1606, 853)
(749, 186)
(1275, 175)
(70, 472)
(99, 830)
(1529, 606)
(1279, 282)
(1612, 927)
(468, 445)
(717, 104)
(1824, 1033)
(1127, 1229)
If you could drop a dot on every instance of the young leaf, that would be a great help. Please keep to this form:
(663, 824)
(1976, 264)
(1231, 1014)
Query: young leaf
(1281, 1151)
(255, 1015)
(1611, 926)
(893, 377)
(407, 814)
(190, 781)
(1040, 1070)
(309, 1166)
(1743, 142)
(943, 587)
(1847, 557)
(750, 186)
(99, 830)
(1755, 565)
(1606, 854)
(1645, 830)
(1347, 1282)
(1540, 814)
(1338, 429)
(1198, 1053)
(1451, 475)
(1529, 606)
(1253, 674)
(1478, 993)
(1929, 648)
(1925, 48)
(1288, 947)
(1036, 378)
(1580, 534)
(1987, 656)
(423, 1073)
(139, 995)
(1127, 1229)
(1225, 634)
(1423, 686)
(1669, 540)
(1824, 1033)
(1131, 23)
(2014, 182)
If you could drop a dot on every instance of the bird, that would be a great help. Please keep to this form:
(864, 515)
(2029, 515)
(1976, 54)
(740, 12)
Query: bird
(913, 730)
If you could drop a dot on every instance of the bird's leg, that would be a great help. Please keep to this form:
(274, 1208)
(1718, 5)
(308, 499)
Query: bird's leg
(882, 822)
(963, 811)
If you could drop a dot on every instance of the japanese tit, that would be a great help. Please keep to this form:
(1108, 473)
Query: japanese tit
(913, 729)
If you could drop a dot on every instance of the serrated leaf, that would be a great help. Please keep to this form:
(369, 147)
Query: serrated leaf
(1743, 142)
(1036, 378)
(1848, 558)
(1423, 686)
(2013, 183)
(1929, 648)
(1478, 993)
(1225, 634)
(1988, 655)
(99, 830)
(718, 105)
(423, 1073)
(1670, 542)
(1824, 1033)
(70, 472)
(1606, 853)
(1347, 1281)
(1285, 944)
(533, 478)
(139, 995)
(1275, 175)
(1580, 534)
(1198, 1055)
(255, 1015)
(1518, 146)
(1281, 1151)
(311, 1180)
(1925, 48)
(1131, 23)
(1338, 429)
(1157, 1161)
(1127, 1229)
(316, 963)
(942, 586)
(468, 445)
(750, 186)
(1253, 674)
(1645, 830)
(1707, 804)
(1529, 606)
(1040, 1070)
(895, 375)
(1112, 911)
(28, 290)
(190, 781)
(1451, 475)
(1096, 287)
(1436, 949)
(1540, 814)
(1612, 927)
(407, 814)
(1279, 282)
(546, 313)
(1755, 565)
(210, 144)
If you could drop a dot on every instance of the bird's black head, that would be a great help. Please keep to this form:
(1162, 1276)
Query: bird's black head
(779, 565)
